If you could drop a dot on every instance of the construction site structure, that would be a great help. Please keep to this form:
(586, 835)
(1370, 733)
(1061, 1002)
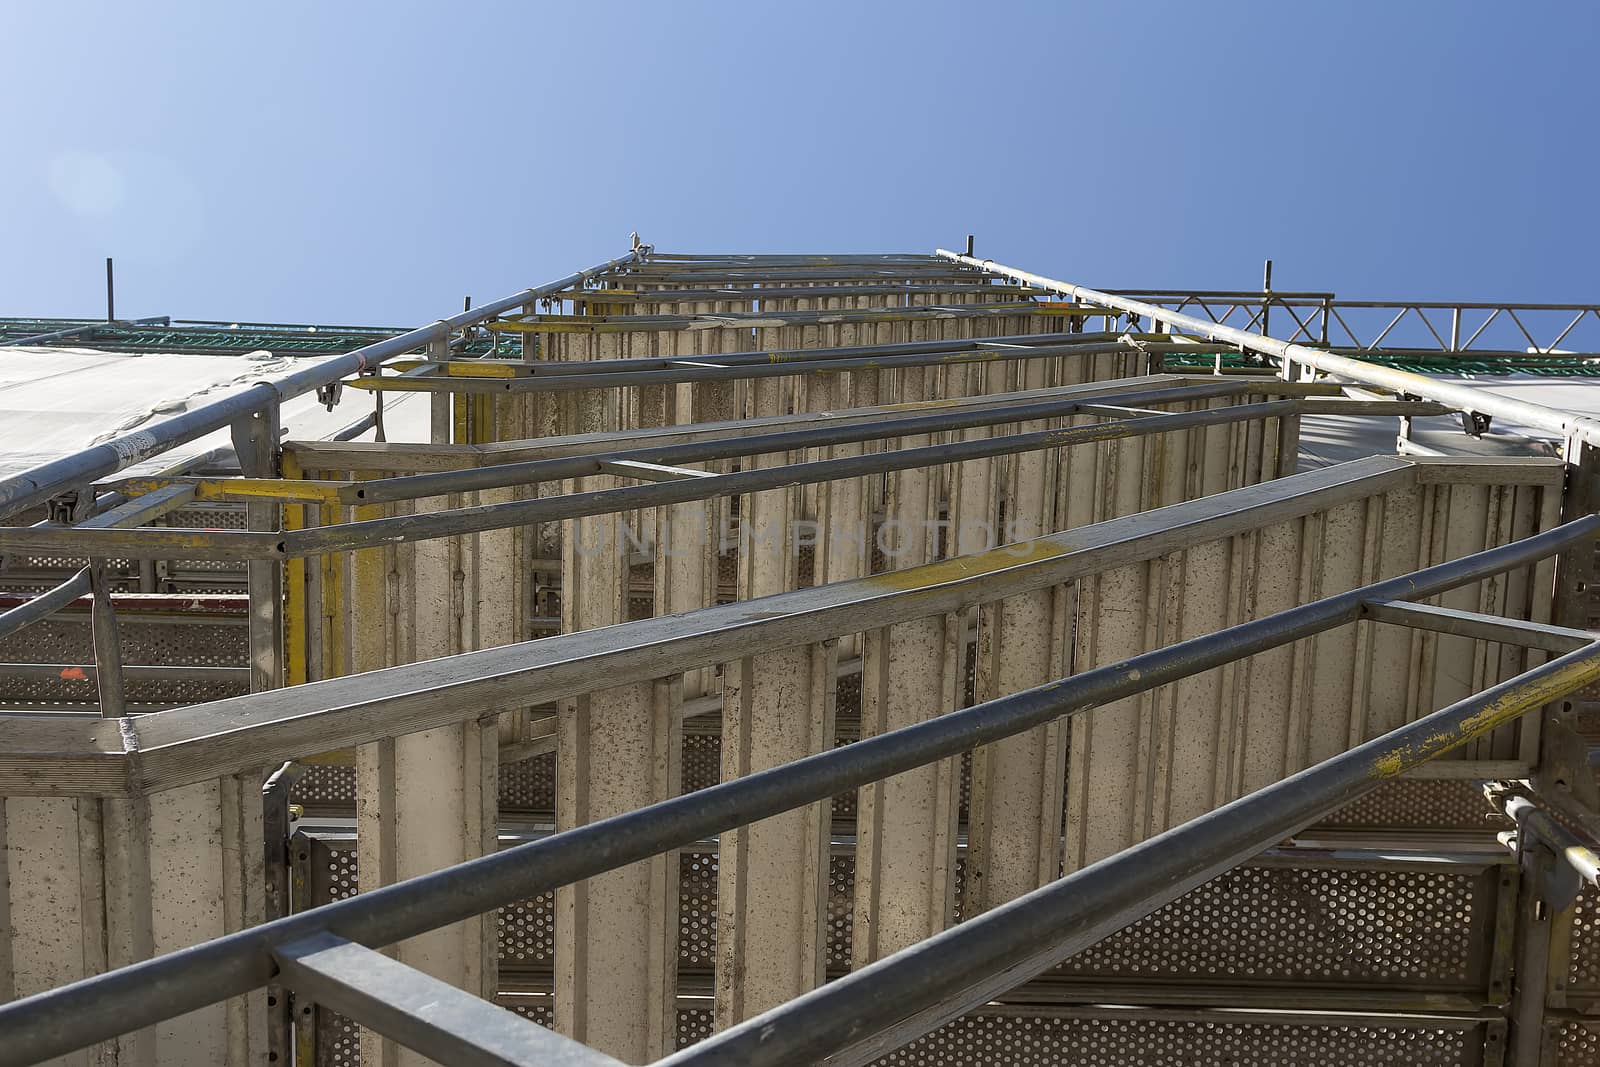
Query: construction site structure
(788, 659)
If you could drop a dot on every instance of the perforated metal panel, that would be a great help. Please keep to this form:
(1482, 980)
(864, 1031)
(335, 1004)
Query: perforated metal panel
(325, 786)
(697, 910)
(694, 1025)
(324, 870)
(529, 785)
(527, 935)
(841, 911)
(1316, 926)
(539, 1009)
(1410, 804)
(221, 642)
(702, 761)
(1584, 975)
(223, 573)
(338, 1040)
(1578, 1044)
(1048, 1041)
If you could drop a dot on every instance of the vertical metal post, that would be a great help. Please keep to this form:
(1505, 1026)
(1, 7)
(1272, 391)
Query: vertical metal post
(255, 440)
(1537, 907)
(111, 303)
(439, 403)
(1266, 300)
(1327, 314)
(275, 833)
(1562, 766)
(107, 645)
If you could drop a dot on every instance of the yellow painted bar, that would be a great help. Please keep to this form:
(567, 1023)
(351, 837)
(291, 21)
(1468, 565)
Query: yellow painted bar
(287, 490)
(485, 369)
(296, 632)
(482, 417)
(463, 418)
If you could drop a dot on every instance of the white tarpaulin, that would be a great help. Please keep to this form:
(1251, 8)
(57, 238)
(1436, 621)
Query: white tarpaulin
(57, 401)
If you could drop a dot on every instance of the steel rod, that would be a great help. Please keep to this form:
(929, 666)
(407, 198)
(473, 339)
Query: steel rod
(707, 369)
(38, 484)
(445, 1023)
(93, 1009)
(44, 605)
(1464, 397)
(892, 424)
(107, 646)
(142, 672)
(877, 1008)
(1533, 820)
(563, 368)
(1557, 639)
(73, 331)
(404, 528)
(421, 527)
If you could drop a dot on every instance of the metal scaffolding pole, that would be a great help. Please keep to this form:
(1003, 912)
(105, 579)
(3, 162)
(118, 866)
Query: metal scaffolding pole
(994, 957)
(1463, 397)
(38, 484)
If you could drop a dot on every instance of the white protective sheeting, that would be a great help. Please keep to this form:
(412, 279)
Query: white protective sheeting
(56, 401)
(1326, 440)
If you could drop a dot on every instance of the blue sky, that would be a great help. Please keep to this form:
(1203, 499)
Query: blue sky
(364, 162)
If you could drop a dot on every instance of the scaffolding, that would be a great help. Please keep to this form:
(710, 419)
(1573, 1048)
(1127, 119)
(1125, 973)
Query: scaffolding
(791, 659)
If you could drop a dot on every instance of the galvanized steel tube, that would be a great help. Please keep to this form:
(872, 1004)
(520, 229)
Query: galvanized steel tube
(58, 1021)
(38, 484)
(875, 1009)
(1464, 397)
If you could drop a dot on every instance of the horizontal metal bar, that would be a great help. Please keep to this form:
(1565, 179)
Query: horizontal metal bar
(45, 604)
(798, 292)
(93, 1009)
(74, 672)
(143, 544)
(37, 484)
(130, 513)
(706, 369)
(1535, 822)
(1403, 408)
(888, 423)
(1556, 639)
(582, 368)
(1464, 397)
(650, 472)
(749, 320)
(73, 331)
(230, 545)
(895, 1000)
(187, 745)
(357, 428)
(141, 509)
(400, 529)
(446, 1024)
(1314, 299)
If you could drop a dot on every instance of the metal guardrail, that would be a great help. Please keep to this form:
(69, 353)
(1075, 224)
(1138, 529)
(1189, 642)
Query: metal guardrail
(687, 486)
(329, 954)
(38, 484)
(1454, 327)
(1405, 383)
